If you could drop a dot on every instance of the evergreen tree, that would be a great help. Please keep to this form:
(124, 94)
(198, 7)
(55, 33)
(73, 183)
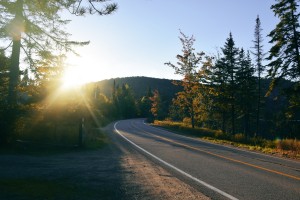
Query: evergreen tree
(125, 102)
(4, 66)
(36, 28)
(225, 69)
(259, 56)
(145, 104)
(284, 55)
(34, 31)
(246, 90)
(221, 98)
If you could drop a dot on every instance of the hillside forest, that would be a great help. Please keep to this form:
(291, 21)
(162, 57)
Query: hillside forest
(254, 93)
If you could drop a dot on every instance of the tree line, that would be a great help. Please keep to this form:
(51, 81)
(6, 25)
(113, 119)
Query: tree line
(224, 92)
(33, 35)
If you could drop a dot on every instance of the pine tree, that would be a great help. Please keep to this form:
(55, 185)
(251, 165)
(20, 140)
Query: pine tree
(284, 55)
(36, 29)
(221, 99)
(246, 89)
(259, 56)
(145, 104)
(229, 62)
(125, 102)
(4, 64)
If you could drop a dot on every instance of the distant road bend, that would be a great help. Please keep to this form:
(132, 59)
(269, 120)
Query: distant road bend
(218, 171)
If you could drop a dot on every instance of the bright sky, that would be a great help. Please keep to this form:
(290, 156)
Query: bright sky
(143, 34)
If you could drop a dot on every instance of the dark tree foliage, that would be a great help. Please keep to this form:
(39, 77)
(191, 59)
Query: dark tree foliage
(33, 33)
(284, 55)
(225, 78)
(145, 105)
(34, 30)
(4, 66)
(123, 99)
(246, 91)
(260, 68)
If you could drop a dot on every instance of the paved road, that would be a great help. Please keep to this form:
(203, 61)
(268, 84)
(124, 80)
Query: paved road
(217, 171)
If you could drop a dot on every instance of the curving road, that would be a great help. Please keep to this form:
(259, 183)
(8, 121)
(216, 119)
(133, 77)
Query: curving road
(218, 171)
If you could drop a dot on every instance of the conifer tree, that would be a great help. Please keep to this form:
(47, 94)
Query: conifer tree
(285, 54)
(228, 66)
(259, 56)
(145, 104)
(246, 89)
(221, 99)
(36, 29)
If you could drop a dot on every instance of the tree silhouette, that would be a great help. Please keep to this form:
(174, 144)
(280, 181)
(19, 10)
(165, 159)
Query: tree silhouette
(259, 57)
(36, 29)
(285, 54)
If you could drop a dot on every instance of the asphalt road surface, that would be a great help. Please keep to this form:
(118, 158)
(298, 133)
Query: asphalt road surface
(218, 171)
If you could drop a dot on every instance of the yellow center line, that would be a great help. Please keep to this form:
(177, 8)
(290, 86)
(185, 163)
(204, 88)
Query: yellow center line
(220, 156)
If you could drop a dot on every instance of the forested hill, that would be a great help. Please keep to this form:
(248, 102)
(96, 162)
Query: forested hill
(140, 86)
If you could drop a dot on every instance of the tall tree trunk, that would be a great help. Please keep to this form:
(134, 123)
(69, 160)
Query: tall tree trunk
(16, 31)
(223, 122)
(233, 119)
(258, 102)
(193, 116)
(14, 73)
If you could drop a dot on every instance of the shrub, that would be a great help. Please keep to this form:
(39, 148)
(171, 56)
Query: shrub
(289, 145)
(239, 138)
(187, 121)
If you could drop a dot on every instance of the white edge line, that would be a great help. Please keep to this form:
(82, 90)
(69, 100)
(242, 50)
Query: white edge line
(175, 168)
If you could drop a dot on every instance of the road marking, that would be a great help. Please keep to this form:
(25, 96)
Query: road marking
(220, 156)
(229, 147)
(175, 168)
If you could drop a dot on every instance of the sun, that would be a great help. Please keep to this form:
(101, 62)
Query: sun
(74, 77)
(81, 70)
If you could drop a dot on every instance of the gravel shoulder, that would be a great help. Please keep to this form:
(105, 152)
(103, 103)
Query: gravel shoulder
(116, 171)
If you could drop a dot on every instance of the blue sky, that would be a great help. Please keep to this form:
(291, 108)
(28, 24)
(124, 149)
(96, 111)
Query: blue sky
(143, 34)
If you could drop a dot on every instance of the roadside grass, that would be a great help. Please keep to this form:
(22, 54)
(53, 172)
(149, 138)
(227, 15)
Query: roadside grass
(285, 147)
(31, 188)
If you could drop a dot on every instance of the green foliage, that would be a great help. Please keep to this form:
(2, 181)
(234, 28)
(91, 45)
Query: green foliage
(284, 55)
(124, 101)
(246, 92)
(36, 30)
(145, 105)
(260, 68)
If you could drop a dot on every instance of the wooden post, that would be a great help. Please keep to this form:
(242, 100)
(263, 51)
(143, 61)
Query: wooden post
(81, 130)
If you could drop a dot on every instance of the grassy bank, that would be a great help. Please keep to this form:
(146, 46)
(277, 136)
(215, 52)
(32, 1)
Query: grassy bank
(285, 147)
